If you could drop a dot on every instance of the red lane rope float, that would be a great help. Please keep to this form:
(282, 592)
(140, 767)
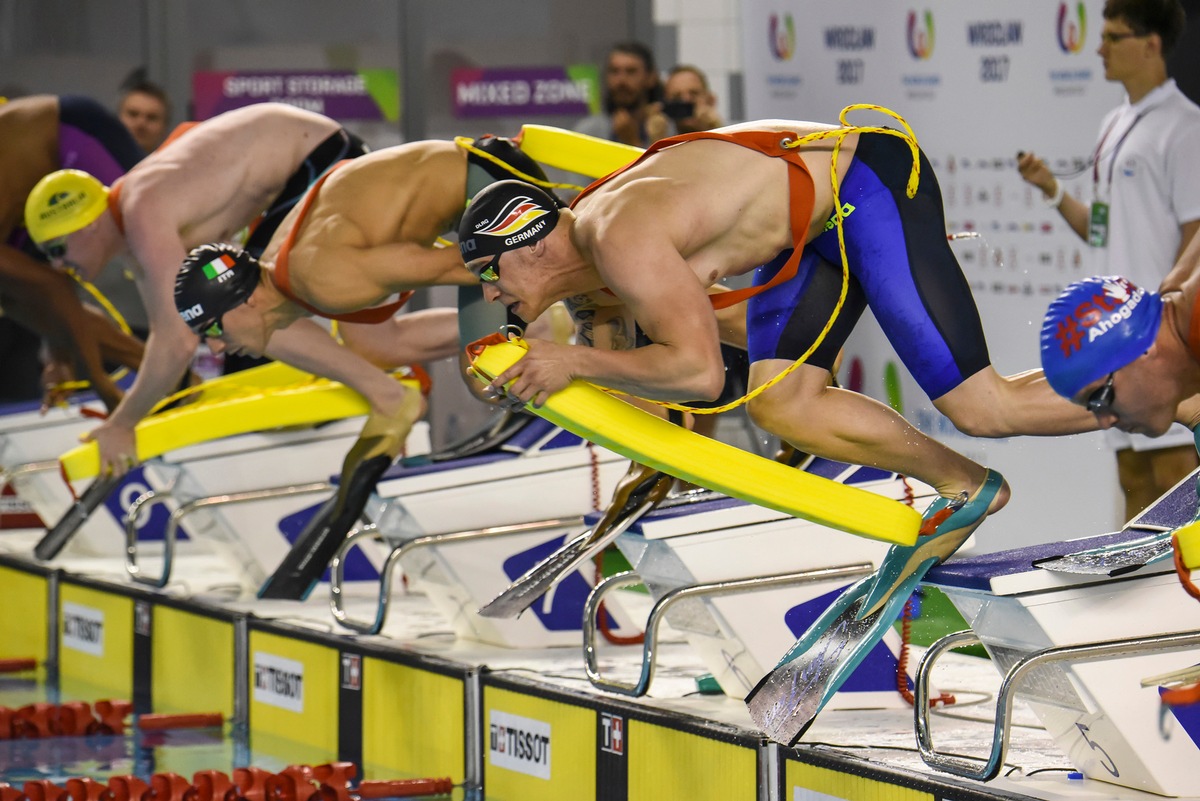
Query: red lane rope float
(196, 720)
(327, 782)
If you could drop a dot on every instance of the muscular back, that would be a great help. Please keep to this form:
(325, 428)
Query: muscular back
(725, 208)
(370, 229)
(221, 174)
(28, 150)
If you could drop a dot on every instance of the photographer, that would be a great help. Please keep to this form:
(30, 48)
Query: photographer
(688, 102)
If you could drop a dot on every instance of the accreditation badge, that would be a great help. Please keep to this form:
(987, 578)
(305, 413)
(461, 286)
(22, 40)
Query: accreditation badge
(1098, 225)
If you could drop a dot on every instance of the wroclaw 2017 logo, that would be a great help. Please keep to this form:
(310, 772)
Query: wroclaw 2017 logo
(1072, 31)
(920, 34)
(783, 36)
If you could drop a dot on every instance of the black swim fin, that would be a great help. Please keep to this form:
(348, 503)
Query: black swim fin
(302, 568)
(68, 525)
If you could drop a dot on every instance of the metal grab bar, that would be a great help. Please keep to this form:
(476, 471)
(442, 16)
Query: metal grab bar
(7, 474)
(1083, 652)
(169, 536)
(657, 613)
(338, 570)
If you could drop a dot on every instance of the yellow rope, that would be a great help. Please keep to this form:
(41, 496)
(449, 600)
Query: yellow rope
(111, 310)
(837, 134)
(468, 144)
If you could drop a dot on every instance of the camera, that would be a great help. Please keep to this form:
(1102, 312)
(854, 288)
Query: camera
(679, 109)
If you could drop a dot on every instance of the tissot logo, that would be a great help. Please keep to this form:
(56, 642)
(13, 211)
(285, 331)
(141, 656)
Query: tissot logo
(83, 629)
(278, 681)
(612, 728)
(519, 744)
(351, 672)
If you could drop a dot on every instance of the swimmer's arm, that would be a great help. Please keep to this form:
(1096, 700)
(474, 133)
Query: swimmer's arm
(731, 321)
(388, 269)
(171, 345)
(666, 299)
(1188, 262)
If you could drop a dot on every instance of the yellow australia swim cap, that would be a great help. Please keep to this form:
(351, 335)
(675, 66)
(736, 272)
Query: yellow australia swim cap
(62, 203)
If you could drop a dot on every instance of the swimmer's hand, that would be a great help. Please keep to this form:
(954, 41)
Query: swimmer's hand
(545, 369)
(118, 448)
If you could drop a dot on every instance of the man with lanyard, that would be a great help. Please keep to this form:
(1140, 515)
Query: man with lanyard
(1145, 207)
(1131, 357)
(213, 181)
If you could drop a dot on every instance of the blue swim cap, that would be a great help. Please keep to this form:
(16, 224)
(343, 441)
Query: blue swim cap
(1096, 327)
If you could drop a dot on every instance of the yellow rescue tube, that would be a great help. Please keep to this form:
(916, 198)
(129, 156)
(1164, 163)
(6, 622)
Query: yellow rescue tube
(575, 152)
(611, 422)
(1187, 543)
(259, 399)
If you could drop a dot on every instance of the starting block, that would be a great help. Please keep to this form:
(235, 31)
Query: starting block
(743, 582)
(1087, 650)
(466, 527)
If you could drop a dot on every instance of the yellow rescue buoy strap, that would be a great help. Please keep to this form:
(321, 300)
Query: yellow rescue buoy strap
(468, 144)
(838, 135)
(111, 311)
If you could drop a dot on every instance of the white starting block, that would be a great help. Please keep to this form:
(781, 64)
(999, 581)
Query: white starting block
(744, 582)
(30, 444)
(241, 498)
(1076, 643)
(466, 528)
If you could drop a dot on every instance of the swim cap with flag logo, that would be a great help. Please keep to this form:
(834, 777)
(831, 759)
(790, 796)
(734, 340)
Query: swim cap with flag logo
(213, 280)
(505, 216)
(1096, 327)
(63, 202)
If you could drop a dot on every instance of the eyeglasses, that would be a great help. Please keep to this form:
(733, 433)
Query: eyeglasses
(54, 248)
(1102, 399)
(1111, 38)
(490, 272)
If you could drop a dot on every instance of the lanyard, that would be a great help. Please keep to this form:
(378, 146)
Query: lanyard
(1113, 154)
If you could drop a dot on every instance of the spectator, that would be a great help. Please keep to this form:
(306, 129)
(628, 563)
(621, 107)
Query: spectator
(1145, 204)
(631, 90)
(688, 101)
(145, 110)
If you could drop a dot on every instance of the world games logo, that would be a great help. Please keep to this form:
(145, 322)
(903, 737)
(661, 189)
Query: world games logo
(920, 34)
(1072, 29)
(782, 31)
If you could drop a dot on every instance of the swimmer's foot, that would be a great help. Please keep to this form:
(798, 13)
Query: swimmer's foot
(944, 528)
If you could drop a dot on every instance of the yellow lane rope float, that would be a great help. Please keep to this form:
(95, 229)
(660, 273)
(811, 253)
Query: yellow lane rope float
(259, 399)
(608, 421)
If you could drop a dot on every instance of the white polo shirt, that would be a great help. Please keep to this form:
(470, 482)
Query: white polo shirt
(1147, 168)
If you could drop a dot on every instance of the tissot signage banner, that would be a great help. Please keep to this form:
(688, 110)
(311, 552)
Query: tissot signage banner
(977, 82)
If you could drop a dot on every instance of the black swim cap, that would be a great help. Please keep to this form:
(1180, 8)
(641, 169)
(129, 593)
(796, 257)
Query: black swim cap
(504, 150)
(506, 216)
(213, 280)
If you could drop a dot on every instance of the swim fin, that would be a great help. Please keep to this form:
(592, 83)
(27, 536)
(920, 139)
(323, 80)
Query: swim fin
(1112, 560)
(56, 537)
(377, 447)
(788, 699)
(640, 490)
